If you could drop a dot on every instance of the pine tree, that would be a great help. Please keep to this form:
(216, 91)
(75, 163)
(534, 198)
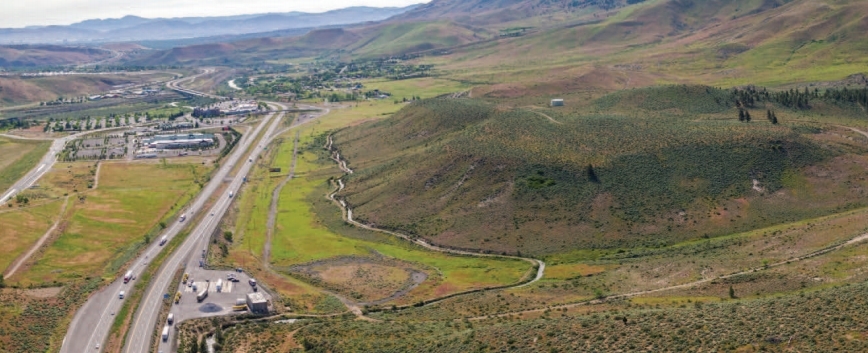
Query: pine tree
(769, 114)
(731, 292)
(203, 347)
(741, 115)
(746, 116)
(592, 176)
(774, 118)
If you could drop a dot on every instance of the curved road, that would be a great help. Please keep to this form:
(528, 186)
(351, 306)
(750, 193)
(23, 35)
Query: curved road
(46, 163)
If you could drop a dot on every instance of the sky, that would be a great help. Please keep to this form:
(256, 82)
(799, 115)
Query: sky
(21, 13)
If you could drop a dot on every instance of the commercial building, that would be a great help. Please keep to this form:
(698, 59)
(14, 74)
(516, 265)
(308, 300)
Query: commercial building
(257, 303)
(169, 142)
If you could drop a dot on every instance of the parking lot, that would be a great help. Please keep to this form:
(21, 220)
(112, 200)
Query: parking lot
(217, 303)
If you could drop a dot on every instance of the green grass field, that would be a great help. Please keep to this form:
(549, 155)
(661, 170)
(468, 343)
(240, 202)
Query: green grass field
(103, 224)
(19, 157)
(303, 235)
(22, 227)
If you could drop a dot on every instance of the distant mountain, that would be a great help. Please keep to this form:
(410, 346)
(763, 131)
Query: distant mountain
(374, 40)
(133, 28)
(486, 12)
(110, 24)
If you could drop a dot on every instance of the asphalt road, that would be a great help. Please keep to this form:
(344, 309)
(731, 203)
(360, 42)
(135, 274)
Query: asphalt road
(93, 321)
(176, 85)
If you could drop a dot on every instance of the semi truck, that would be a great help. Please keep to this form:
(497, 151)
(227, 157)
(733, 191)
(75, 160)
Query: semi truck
(165, 333)
(128, 276)
(220, 285)
(163, 240)
(171, 319)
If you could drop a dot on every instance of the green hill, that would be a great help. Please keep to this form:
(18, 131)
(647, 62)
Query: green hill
(371, 41)
(636, 168)
(718, 42)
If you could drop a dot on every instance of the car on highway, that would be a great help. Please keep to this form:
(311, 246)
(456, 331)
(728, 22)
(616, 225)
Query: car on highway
(121, 295)
(97, 346)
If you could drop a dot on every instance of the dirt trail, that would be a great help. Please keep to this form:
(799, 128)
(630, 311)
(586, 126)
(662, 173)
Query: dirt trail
(853, 241)
(272, 216)
(545, 116)
(275, 197)
(863, 133)
(23, 259)
(348, 216)
(96, 176)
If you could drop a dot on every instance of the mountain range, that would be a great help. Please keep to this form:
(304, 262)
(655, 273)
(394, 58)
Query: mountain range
(133, 28)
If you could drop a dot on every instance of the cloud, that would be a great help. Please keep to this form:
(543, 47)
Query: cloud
(16, 13)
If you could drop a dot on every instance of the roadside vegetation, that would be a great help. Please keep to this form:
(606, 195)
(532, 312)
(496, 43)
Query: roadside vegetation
(104, 227)
(628, 161)
(828, 320)
(19, 157)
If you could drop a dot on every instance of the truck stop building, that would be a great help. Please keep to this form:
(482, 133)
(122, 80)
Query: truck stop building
(257, 303)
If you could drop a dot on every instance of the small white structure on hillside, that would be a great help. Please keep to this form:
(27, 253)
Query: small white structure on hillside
(557, 102)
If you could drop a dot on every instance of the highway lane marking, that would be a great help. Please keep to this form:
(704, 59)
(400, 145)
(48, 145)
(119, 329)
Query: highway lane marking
(220, 208)
(8, 194)
(140, 262)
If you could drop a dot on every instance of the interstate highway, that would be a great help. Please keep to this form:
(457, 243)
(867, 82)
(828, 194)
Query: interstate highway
(92, 322)
(144, 322)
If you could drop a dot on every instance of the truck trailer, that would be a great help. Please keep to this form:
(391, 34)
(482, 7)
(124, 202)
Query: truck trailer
(202, 295)
(128, 276)
(220, 285)
(165, 333)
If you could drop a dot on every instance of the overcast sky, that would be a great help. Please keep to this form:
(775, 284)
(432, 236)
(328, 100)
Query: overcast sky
(20, 13)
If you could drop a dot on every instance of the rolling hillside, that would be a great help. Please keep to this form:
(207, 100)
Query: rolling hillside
(593, 44)
(48, 55)
(635, 168)
(370, 41)
(719, 42)
(133, 28)
(16, 90)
